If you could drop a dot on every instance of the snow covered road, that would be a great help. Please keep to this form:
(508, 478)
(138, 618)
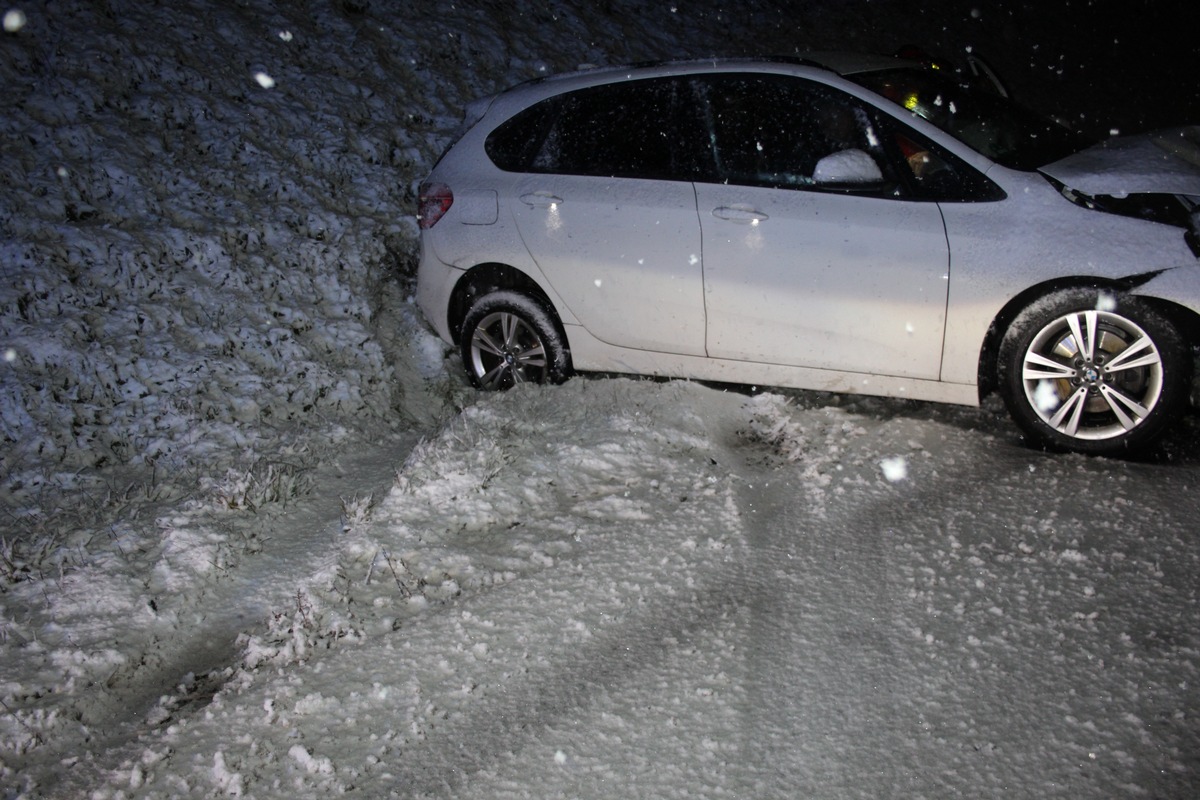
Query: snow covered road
(980, 627)
(620, 588)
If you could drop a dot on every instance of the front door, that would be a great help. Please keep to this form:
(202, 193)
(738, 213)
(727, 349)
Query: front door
(831, 281)
(815, 255)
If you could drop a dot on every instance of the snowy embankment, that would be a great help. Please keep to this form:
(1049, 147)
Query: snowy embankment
(193, 257)
(207, 208)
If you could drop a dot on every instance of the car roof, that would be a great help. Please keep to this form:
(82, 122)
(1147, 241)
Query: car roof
(833, 63)
(837, 62)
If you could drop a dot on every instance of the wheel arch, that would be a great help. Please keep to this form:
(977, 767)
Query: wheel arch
(1184, 319)
(485, 278)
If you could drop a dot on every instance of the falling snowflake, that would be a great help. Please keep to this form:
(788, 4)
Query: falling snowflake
(14, 20)
(894, 469)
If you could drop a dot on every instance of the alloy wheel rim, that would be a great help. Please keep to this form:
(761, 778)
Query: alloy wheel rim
(1092, 375)
(505, 350)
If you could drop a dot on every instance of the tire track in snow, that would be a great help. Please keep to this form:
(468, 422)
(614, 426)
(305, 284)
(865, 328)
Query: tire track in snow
(189, 662)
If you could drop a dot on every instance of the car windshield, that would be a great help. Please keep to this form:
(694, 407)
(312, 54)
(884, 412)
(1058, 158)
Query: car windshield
(992, 125)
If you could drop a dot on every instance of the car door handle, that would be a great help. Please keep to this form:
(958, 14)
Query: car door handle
(743, 214)
(540, 199)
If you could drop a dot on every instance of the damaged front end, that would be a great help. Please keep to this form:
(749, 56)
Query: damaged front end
(1181, 211)
(1150, 176)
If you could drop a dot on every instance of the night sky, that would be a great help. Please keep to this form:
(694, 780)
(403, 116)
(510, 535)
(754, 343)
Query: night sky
(1103, 64)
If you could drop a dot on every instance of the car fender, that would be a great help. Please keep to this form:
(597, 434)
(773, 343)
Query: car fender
(1180, 286)
(1002, 251)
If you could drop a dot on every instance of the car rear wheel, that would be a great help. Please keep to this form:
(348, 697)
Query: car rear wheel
(1094, 372)
(509, 338)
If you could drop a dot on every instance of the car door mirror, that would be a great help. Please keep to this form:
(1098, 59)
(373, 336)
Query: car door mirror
(847, 168)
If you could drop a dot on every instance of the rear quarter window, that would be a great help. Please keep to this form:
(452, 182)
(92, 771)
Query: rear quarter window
(513, 145)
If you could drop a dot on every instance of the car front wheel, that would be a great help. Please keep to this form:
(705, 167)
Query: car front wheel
(509, 338)
(1094, 372)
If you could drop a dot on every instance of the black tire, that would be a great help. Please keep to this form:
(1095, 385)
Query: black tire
(508, 338)
(1114, 395)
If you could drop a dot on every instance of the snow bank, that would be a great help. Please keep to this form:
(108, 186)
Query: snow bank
(206, 205)
(189, 254)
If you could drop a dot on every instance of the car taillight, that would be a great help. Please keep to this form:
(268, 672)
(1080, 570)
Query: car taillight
(433, 201)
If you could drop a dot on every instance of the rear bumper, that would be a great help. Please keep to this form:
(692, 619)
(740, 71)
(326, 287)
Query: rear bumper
(435, 285)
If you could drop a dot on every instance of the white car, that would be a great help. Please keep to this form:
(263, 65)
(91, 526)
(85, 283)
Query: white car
(838, 223)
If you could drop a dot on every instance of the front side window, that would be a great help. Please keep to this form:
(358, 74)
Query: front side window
(784, 132)
(933, 174)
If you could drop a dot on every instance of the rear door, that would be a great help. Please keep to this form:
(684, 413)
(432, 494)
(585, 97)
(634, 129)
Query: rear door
(608, 211)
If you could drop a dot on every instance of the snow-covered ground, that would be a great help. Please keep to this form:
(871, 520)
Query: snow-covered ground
(260, 540)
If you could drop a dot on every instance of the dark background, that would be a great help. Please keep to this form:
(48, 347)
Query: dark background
(1100, 64)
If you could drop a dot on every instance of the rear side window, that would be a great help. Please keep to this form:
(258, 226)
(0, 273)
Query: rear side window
(513, 145)
(638, 129)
